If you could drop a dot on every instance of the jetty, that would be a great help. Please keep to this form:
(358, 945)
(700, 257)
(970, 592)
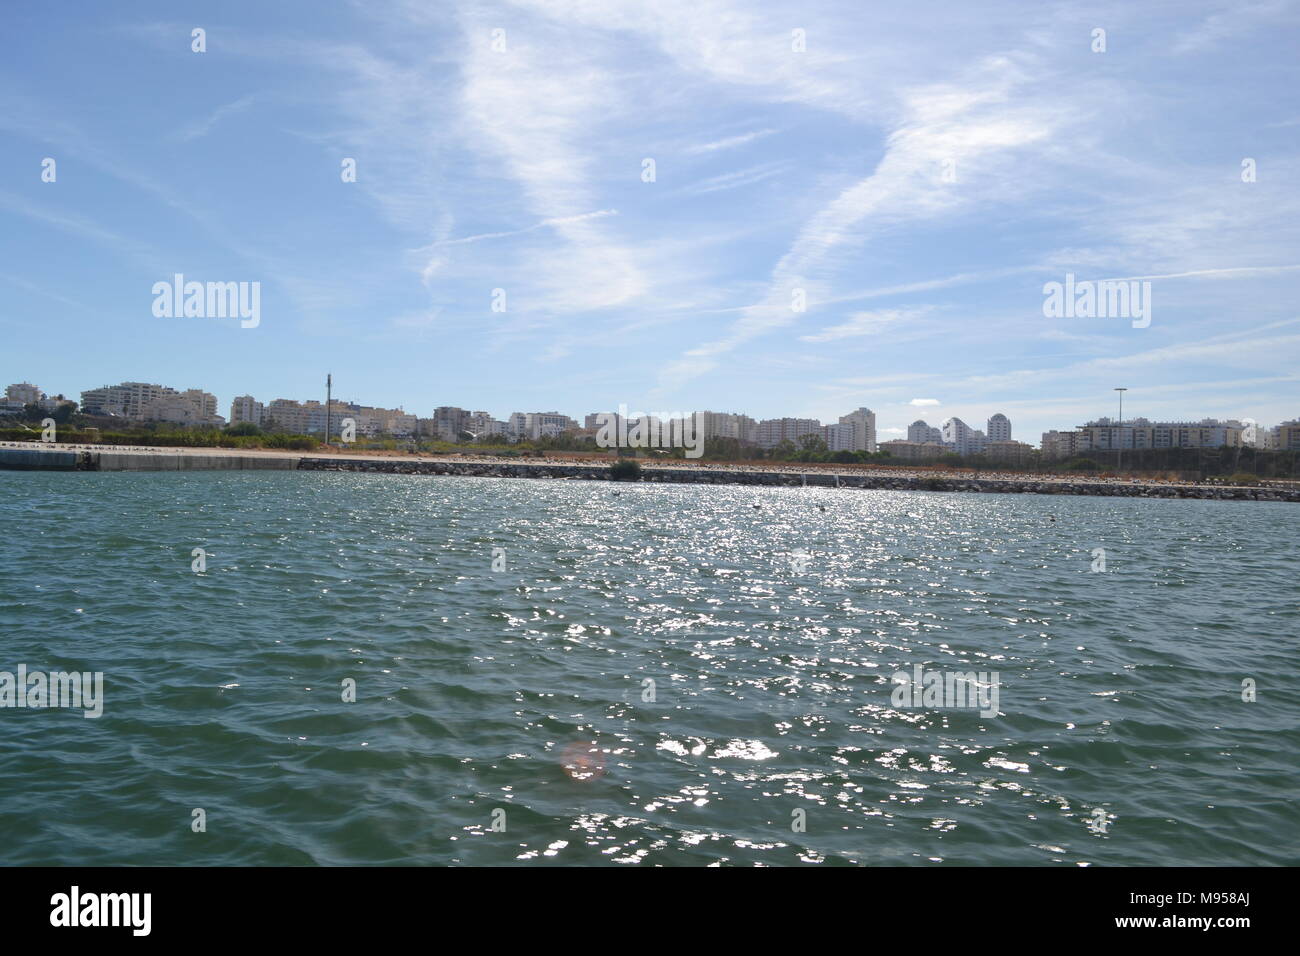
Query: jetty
(106, 458)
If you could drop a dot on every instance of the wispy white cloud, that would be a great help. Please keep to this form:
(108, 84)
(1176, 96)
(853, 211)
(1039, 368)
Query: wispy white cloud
(736, 179)
(1232, 20)
(201, 128)
(1241, 272)
(535, 112)
(940, 124)
(82, 227)
(865, 323)
(559, 221)
(729, 142)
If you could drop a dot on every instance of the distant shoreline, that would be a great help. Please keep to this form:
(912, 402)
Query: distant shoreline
(35, 456)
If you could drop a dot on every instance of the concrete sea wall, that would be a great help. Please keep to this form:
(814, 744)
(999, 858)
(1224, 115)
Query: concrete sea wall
(161, 460)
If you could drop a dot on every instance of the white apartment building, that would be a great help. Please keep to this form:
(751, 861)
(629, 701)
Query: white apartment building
(1058, 444)
(921, 433)
(190, 407)
(373, 422)
(143, 401)
(449, 422)
(245, 408)
(726, 425)
(306, 418)
(773, 431)
(126, 400)
(482, 424)
(1139, 433)
(840, 437)
(999, 428)
(961, 438)
(399, 423)
(533, 425)
(863, 423)
(517, 426)
(25, 393)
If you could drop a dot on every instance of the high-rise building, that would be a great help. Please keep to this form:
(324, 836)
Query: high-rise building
(245, 408)
(534, 425)
(549, 424)
(840, 437)
(307, 418)
(999, 428)
(864, 429)
(726, 425)
(482, 424)
(126, 400)
(920, 432)
(958, 436)
(449, 421)
(142, 401)
(1057, 444)
(1105, 434)
(24, 392)
(773, 431)
(190, 407)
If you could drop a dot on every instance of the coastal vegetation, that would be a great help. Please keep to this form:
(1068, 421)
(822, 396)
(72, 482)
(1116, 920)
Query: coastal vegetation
(625, 469)
(1229, 464)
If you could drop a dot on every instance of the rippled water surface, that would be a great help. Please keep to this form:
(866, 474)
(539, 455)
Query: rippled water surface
(659, 675)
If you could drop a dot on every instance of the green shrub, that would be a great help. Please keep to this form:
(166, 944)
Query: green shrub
(1243, 478)
(625, 469)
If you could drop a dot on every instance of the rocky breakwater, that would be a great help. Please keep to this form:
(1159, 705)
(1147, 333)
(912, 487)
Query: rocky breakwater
(793, 479)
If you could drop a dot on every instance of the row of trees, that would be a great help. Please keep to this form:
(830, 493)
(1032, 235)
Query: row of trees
(63, 413)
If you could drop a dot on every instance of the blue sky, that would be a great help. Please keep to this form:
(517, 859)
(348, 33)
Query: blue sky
(920, 170)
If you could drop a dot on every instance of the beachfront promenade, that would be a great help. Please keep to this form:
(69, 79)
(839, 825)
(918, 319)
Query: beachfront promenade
(51, 457)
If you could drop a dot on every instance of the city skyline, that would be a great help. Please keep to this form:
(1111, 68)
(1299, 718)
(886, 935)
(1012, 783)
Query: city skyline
(854, 431)
(843, 208)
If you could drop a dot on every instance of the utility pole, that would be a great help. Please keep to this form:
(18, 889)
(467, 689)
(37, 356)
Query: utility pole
(329, 385)
(1119, 453)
